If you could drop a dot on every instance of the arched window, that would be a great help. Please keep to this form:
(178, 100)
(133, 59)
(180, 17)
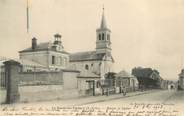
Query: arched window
(86, 67)
(103, 36)
(99, 36)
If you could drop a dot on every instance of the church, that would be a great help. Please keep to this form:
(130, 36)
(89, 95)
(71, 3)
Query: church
(99, 61)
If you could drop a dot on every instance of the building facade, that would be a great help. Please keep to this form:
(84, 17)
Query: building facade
(51, 55)
(99, 61)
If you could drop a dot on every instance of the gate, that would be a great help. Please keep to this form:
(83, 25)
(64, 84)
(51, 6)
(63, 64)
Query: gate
(108, 86)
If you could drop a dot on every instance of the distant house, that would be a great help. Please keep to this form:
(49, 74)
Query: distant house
(147, 77)
(164, 84)
(181, 80)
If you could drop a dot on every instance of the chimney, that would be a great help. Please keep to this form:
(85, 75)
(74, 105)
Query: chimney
(34, 43)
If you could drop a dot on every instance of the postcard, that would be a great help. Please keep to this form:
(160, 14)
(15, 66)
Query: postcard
(91, 57)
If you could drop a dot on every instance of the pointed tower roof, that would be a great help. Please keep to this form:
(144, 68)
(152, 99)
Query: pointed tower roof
(103, 21)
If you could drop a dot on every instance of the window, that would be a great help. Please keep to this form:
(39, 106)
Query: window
(60, 60)
(29, 70)
(108, 37)
(64, 61)
(103, 36)
(86, 67)
(92, 65)
(99, 36)
(53, 59)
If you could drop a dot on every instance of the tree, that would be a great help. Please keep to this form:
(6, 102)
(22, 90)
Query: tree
(110, 75)
(147, 77)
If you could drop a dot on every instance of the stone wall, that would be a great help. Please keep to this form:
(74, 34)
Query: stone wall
(31, 78)
(39, 86)
(70, 80)
(45, 93)
(35, 86)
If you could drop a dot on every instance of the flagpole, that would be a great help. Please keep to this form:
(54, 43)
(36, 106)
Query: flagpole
(27, 16)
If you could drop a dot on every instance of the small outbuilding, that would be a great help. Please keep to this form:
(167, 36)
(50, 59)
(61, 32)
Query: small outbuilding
(125, 79)
(87, 84)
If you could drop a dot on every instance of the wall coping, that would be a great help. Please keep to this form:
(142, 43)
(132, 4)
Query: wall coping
(12, 62)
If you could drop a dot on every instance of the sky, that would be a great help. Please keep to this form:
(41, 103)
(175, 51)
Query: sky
(146, 33)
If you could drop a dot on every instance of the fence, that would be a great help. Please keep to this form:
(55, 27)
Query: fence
(3, 85)
(115, 85)
(2, 78)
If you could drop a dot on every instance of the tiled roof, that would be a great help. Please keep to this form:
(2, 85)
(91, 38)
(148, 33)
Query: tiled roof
(22, 62)
(69, 69)
(41, 47)
(86, 56)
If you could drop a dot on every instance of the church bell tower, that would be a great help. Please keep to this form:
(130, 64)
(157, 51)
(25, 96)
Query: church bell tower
(103, 43)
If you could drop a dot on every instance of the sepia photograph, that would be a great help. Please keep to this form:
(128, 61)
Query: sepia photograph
(91, 57)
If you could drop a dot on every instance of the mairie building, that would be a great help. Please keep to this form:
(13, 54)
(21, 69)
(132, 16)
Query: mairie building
(51, 55)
